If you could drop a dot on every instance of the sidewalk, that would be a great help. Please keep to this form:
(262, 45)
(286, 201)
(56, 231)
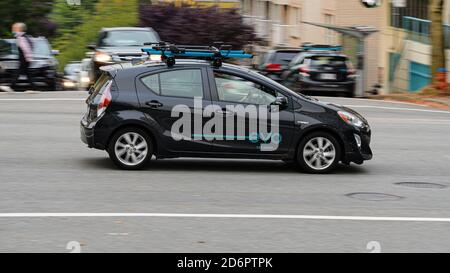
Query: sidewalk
(440, 102)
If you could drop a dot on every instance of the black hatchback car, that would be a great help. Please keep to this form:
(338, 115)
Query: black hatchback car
(316, 72)
(196, 109)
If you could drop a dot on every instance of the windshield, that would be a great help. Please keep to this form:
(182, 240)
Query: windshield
(278, 85)
(127, 38)
(40, 48)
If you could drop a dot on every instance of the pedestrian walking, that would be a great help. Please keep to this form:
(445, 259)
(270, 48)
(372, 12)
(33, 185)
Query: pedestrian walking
(25, 48)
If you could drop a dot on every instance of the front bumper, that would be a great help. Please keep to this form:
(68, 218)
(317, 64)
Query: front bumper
(44, 75)
(354, 151)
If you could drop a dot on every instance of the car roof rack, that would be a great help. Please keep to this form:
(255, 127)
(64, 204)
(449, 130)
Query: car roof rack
(216, 52)
(317, 47)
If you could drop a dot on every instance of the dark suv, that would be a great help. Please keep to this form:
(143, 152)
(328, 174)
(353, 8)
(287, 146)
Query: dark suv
(120, 44)
(276, 61)
(43, 67)
(195, 109)
(319, 72)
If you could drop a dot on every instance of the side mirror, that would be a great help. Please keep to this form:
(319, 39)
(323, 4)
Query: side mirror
(282, 102)
(91, 47)
(55, 52)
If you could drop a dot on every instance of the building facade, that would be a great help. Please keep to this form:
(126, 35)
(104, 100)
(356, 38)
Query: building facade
(398, 56)
(405, 49)
(281, 23)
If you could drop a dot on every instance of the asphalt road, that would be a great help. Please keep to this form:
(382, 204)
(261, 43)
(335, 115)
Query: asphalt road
(45, 168)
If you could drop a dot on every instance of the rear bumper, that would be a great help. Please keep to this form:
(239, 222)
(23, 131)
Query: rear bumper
(310, 85)
(321, 86)
(87, 135)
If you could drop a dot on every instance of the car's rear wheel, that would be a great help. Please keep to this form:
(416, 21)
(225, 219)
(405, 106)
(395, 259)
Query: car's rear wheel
(318, 152)
(130, 148)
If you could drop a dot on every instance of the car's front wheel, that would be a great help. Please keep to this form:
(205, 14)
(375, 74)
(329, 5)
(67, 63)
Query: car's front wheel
(318, 152)
(130, 148)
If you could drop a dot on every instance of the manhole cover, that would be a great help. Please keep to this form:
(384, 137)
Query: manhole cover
(422, 185)
(374, 196)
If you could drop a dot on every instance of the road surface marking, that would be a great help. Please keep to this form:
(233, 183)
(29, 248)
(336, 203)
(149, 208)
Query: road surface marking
(249, 216)
(398, 108)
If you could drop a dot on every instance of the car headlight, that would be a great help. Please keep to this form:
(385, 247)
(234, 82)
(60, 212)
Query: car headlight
(351, 119)
(102, 57)
(85, 79)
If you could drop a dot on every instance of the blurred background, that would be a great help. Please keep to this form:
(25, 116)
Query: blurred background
(390, 44)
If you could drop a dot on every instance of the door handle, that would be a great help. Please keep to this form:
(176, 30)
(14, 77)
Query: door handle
(154, 104)
(224, 112)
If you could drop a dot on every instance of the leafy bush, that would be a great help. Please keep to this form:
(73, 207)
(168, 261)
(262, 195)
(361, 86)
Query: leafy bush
(31, 12)
(196, 26)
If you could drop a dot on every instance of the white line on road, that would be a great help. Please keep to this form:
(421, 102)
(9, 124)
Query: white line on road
(398, 108)
(248, 216)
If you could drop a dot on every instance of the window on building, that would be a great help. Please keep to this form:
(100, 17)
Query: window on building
(414, 8)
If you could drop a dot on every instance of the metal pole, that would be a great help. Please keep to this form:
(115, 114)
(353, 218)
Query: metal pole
(362, 68)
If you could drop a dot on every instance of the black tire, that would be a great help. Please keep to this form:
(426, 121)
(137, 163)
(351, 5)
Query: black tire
(324, 156)
(141, 160)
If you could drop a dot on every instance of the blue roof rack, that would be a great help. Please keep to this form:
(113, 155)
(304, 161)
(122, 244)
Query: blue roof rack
(216, 53)
(314, 47)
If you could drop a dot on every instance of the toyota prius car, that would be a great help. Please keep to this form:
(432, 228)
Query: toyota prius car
(184, 107)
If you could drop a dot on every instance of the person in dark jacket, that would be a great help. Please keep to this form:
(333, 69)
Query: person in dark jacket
(25, 48)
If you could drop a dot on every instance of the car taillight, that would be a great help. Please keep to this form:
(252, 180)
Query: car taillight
(105, 100)
(273, 67)
(351, 73)
(304, 71)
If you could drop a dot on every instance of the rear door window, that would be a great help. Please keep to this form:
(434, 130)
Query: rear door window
(99, 86)
(186, 83)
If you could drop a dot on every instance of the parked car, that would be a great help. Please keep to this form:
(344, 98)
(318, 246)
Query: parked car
(276, 61)
(43, 67)
(320, 71)
(71, 76)
(130, 114)
(120, 44)
(84, 80)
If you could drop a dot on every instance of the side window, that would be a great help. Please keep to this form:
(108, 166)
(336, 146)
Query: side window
(152, 82)
(185, 83)
(239, 90)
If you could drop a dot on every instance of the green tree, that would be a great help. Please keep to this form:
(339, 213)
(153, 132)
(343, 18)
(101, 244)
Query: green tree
(67, 17)
(106, 13)
(32, 12)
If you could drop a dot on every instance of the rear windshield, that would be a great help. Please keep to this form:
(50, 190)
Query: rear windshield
(284, 57)
(99, 87)
(335, 61)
